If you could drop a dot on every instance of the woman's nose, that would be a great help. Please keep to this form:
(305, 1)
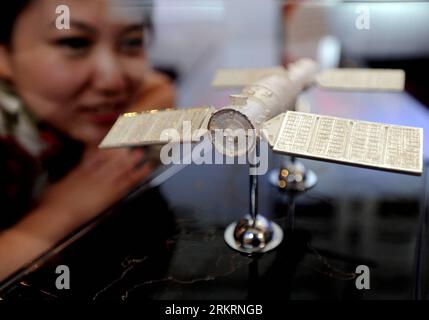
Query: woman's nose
(109, 77)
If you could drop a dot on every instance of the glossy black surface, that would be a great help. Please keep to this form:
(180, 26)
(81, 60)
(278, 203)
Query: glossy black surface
(168, 243)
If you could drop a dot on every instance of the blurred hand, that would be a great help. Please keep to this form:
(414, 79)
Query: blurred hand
(158, 92)
(102, 178)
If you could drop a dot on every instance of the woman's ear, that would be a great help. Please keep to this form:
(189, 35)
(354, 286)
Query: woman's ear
(5, 63)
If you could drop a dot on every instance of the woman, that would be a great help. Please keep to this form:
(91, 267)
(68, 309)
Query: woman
(60, 92)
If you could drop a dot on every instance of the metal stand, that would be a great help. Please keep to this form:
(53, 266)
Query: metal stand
(293, 176)
(253, 233)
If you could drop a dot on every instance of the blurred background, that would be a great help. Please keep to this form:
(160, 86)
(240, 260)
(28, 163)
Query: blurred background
(193, 38)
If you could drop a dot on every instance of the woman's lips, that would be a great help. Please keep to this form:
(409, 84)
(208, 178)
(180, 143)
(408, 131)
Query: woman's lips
(103, 114)
(107, 118)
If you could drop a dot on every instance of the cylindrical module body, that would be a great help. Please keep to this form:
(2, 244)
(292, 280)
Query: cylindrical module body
(256, 104)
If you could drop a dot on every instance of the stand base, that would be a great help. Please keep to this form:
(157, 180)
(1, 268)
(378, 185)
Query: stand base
(247, 237)
(293, 177)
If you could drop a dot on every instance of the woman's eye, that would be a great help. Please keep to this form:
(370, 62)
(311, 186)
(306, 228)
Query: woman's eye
(132, 44)
(74, 43)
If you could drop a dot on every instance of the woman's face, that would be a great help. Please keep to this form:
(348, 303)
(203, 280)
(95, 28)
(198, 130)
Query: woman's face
(78, 80)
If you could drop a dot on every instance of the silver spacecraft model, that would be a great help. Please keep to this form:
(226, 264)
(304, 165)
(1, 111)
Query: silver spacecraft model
(264, 109)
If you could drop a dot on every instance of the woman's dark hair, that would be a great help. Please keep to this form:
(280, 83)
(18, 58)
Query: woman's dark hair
(11, 9)
(9, 12)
